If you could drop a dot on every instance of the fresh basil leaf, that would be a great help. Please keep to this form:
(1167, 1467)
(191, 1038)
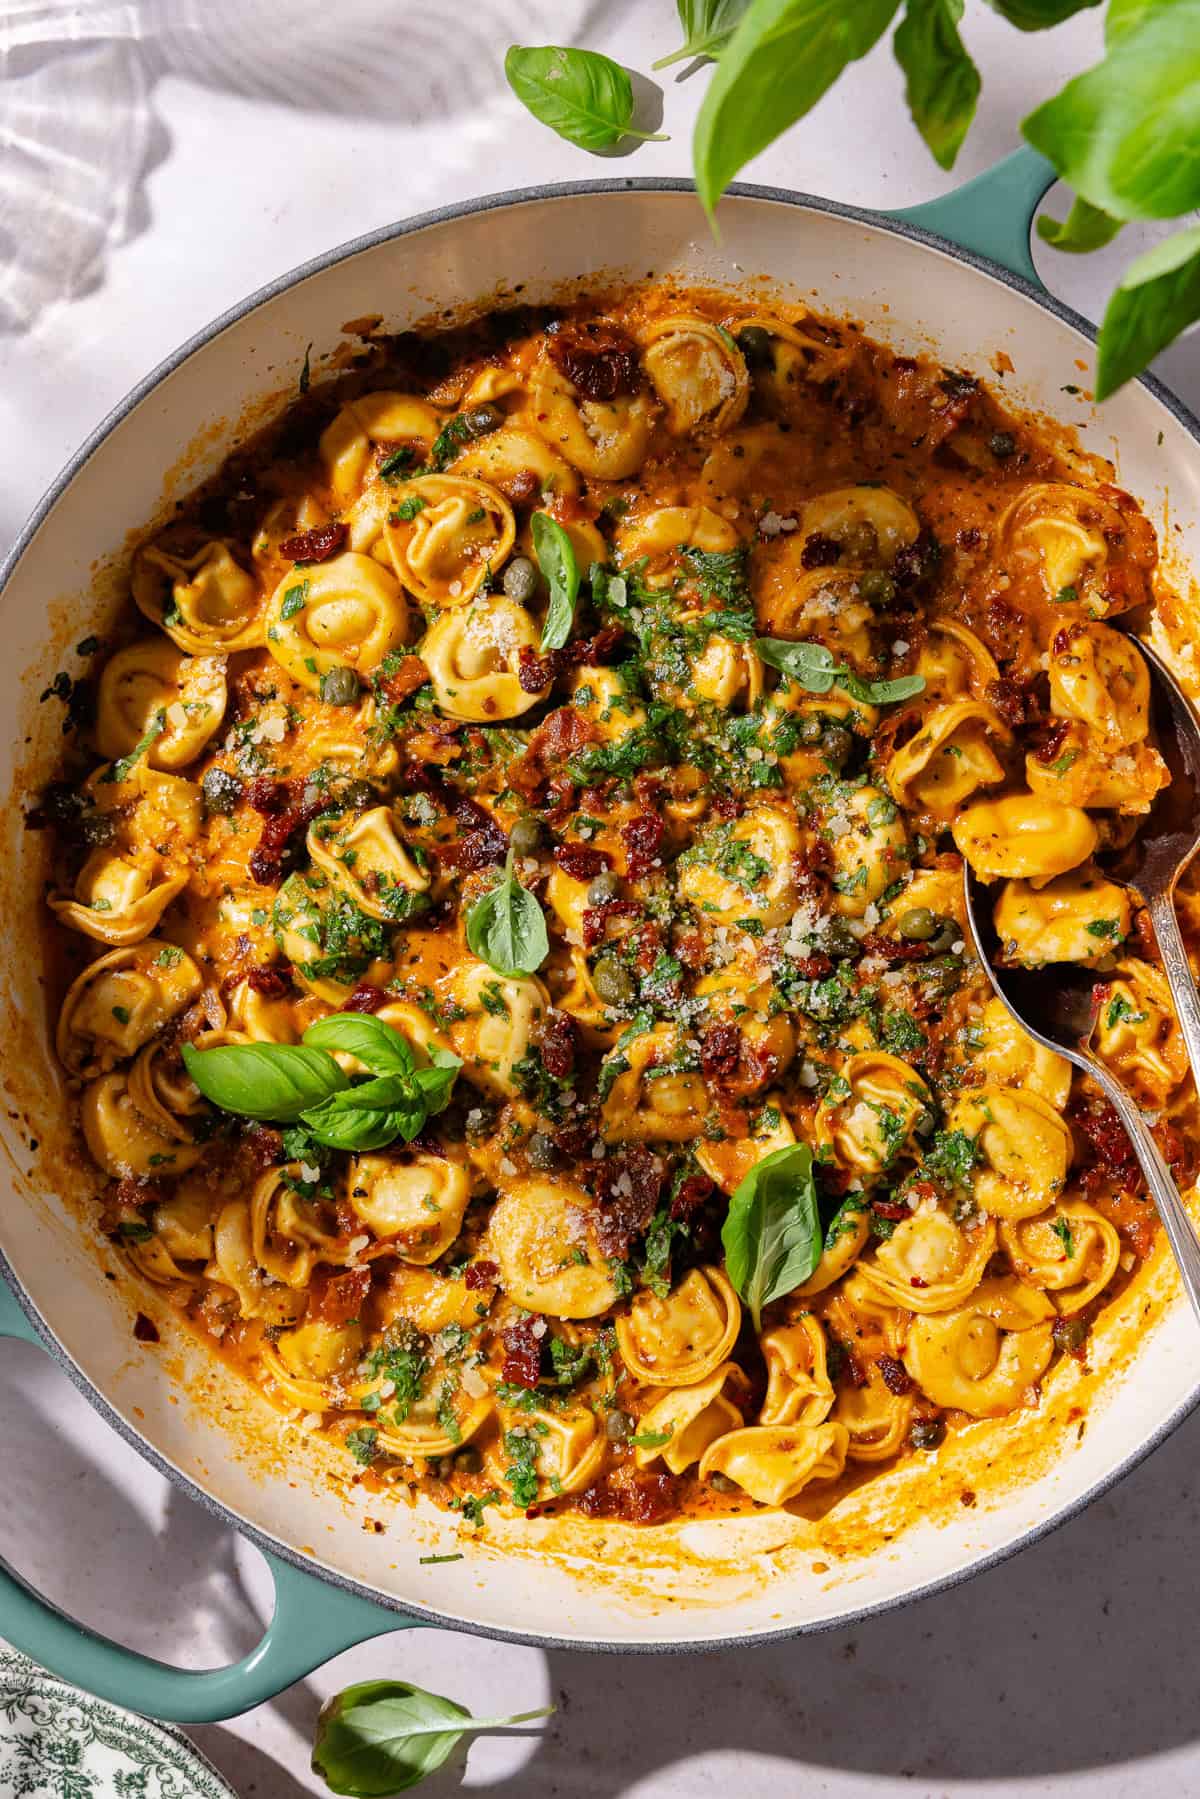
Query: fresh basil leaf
(341, 1127)
(1157, 299)
(783, 56)
(379, 1095)
(810, 665)
(1124, 133)
(1085, 227)
(556, 559)
(383, 1736)
(941, 83)
(507, 927)
(375, 1044)
(1039, 15)
(276, 1082)
(772, 1231)
(435, 1085)
(125, 765)
(881, 693)
(587, 98)
(707, 25)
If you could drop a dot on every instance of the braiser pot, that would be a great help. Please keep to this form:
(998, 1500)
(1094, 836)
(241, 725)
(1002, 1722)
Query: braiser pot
(954, 278)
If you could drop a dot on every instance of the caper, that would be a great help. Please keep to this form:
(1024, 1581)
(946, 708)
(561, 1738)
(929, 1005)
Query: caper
(481, 420)
(520, 579)
(836, 744)
(618, 1427)
(860, 540)
(721, 1483)
(444, 1467)
(96, 829)
(811, 727)
(467, 1460)
(359, 796)
(541, 1151)
(926, 1433)
(754, 341)
(602, 887)
(1106, 964)
(876, 588)
(613, 983)
(525, 837)
(221, 790)
(945, 937)
(1070, 1333)
(61, 804)
(1002, 444)
(840, 942)
(918, 924)
(339, 686)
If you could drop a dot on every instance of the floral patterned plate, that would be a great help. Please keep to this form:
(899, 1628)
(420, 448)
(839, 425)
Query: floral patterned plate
(59, 1743)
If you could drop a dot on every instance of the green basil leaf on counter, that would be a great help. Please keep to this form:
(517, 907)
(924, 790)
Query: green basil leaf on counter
(383, 1736)
(941, 83)
(507, 927)
(781, 59)
(772, 1231)
(271, 1082)
(707, 27)
(587, 98)
(556, 558)
(1159, 297)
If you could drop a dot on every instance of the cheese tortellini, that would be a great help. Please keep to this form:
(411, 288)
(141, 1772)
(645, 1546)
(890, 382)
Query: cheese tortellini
(538, 1233)
(1024, 837)
(680, 1339)
(155, 701)
(698, 373)
(985, 1356)
(474, 661)
(446, 534)
(348, 612)
(1077, 917)
(1023, 1149)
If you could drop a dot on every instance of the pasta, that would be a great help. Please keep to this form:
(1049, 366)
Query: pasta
(642, 855)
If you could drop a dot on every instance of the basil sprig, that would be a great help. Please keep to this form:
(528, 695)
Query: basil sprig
(383, 1736)
(587, 98)
(507, 927)
(556, 558)
(285, 1083)
(814, 667)
(772, 1231)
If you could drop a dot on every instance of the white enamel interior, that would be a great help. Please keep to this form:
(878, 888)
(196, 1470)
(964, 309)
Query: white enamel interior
(916, 299)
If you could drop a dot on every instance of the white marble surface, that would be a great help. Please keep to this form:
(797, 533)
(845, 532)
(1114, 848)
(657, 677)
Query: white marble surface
(1069, 1670)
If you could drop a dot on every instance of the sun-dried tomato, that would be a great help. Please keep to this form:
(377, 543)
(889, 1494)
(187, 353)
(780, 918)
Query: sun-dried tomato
(895, 1209)
(820, 551)
(894, 949)
(596, 919)
(693, 1191)
(628, 1185)
(521, 486)
(481, 841)
(811, 968)
(337, 1298)
(365, 998)
(523, 1352)
(559, 736)
(272, 983)
(1105, 1137)
(139, 1190)
(894, 1375)
(642, 838)
(404, 680)
(534, 672)
(581, 861)
(1016, 701)
(479, 1275)
(558, 1038)
(596, 358)
(317, 545)
(144, 1329)
(634, 1495)
(268, 796)
(720, 1052)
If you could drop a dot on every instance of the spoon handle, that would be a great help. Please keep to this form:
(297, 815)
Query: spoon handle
(1178, 971)
(1181, 1232)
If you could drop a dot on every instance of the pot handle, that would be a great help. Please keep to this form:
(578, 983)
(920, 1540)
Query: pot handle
(992, 214)
(311, 1622)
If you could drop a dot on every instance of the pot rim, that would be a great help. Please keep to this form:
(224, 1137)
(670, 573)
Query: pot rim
(271, 290)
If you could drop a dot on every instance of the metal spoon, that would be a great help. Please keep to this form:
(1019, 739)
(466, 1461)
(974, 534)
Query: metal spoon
(1055, 1005)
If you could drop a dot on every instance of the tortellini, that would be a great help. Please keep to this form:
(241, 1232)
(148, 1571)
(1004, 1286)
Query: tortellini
(163, 1091)
(744, 870)
(513, 453)
(495, 1034)
(205, 601)
(1098, 676)
(793, 357)
(120, 1140)
(799, 1390)
(1024, 837)
(539, 1237)
(658, 536)
(566, 1447)
(698, 373)
(155, 701)
(1079, 917)
(689, 1419)
(1079, 548)
(399, 420)
(656, 1094)
(682, 1338)
(364, 857)
(949, 759)
(1008, 1053)
(983, 1357)
(474, 661)
(414, 1202)
(289, 1232)
(234, 1266)
(845, 1239)
(929, 1263)
(1071, 1253)
(870, 848)
(603, 699)
(871, 1112)
(1137, 1034)
(775, 1462)
(120, 1001)
(876, 1418)
(445, 534)
(440, 1421)
(954, 664)
(118, 898)
(347, 612)
(1023, 1147)
(608, 439)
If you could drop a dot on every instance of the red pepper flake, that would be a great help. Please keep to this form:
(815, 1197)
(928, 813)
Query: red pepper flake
(145, 1329)
(317, 545)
